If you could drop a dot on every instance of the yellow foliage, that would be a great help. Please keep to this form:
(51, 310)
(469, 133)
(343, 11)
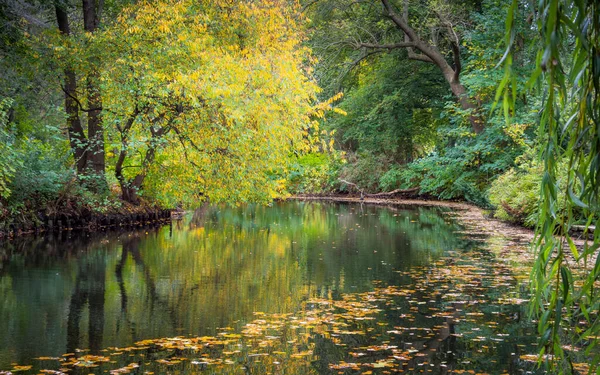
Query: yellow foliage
(228, 84)
(516, 132)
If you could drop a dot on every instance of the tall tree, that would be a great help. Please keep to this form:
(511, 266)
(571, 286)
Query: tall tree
(87, 143)
(77, 137)
(92, 10)
(219, 111)
(428, 31)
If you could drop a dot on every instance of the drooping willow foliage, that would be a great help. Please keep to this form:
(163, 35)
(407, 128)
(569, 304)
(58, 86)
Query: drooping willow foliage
(565, 277)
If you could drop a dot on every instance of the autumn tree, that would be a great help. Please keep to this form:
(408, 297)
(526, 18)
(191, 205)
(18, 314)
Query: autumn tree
(204, 98)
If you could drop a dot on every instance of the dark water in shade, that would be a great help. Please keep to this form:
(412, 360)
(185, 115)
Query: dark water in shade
(294, 288)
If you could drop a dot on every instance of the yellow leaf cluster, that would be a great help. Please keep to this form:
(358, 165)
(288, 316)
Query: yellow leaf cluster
(228, 79)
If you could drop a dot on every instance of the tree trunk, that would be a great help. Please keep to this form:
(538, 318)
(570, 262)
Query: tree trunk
(130, 188)
(430, 53)
(130, 194)
(77, 138)
(96, 157)
(477, 122)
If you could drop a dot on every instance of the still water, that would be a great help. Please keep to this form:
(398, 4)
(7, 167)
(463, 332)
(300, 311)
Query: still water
(299, 287)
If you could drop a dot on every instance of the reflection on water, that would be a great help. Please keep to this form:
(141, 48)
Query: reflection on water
(390, 273)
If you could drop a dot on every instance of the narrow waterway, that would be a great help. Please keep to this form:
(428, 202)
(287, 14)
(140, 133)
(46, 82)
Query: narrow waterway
(296, 288)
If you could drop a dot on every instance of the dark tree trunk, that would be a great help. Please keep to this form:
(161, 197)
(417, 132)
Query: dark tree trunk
(130, 188)
(96, 157)
(475, 118)
(129, 193)
(95, 128)
(77, 138)
(430, 53)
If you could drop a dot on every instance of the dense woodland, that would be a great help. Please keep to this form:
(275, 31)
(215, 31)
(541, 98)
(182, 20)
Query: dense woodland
(106, 105)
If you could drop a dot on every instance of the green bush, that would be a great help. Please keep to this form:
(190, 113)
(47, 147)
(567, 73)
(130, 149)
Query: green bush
(391, 179)
(464, 165)
(40, 176)
(365, 170)
(315, 173)
(9, 160)
(516, 195)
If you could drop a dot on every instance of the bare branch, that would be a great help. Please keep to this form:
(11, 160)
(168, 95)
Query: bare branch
(419, 57)
(356, 62)
(78, 102)
(386, 46)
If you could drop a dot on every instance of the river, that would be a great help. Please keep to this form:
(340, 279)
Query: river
(295, 288)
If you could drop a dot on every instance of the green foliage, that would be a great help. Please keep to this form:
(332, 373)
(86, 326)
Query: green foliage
(8, 156)
(33, 165)
(464, 165)
(399, 119)
(516, 195)
(482, 42)
(568, 70)
(40, 177)
(315, 172)
(390, 112)
(364, 169)
(391, 179)
(31, 172)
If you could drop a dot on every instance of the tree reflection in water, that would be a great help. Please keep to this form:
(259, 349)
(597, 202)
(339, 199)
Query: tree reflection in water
(214, 271)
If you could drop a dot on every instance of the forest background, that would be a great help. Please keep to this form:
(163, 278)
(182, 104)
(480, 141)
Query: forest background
(89, 89)
(111, 104)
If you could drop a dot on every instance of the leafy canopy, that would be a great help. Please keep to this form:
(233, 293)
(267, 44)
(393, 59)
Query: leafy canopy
(224, 85)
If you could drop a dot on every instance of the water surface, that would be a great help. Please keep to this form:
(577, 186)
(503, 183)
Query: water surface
(294, 288)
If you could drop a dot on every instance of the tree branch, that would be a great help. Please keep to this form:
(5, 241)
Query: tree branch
(457, 63)
(419, 57)
(78, 102)
(387, 46)
(428, 53)
(400, 22)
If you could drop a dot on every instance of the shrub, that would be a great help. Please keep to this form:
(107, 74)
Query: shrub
(315, 172)
(40, 177)
(516, 194)
(365, 170)
(8, 156)
(391, 179)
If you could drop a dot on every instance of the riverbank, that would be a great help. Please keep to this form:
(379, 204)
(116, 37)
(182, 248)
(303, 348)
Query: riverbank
(476, 219)
(67, 218)
(467, 212)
